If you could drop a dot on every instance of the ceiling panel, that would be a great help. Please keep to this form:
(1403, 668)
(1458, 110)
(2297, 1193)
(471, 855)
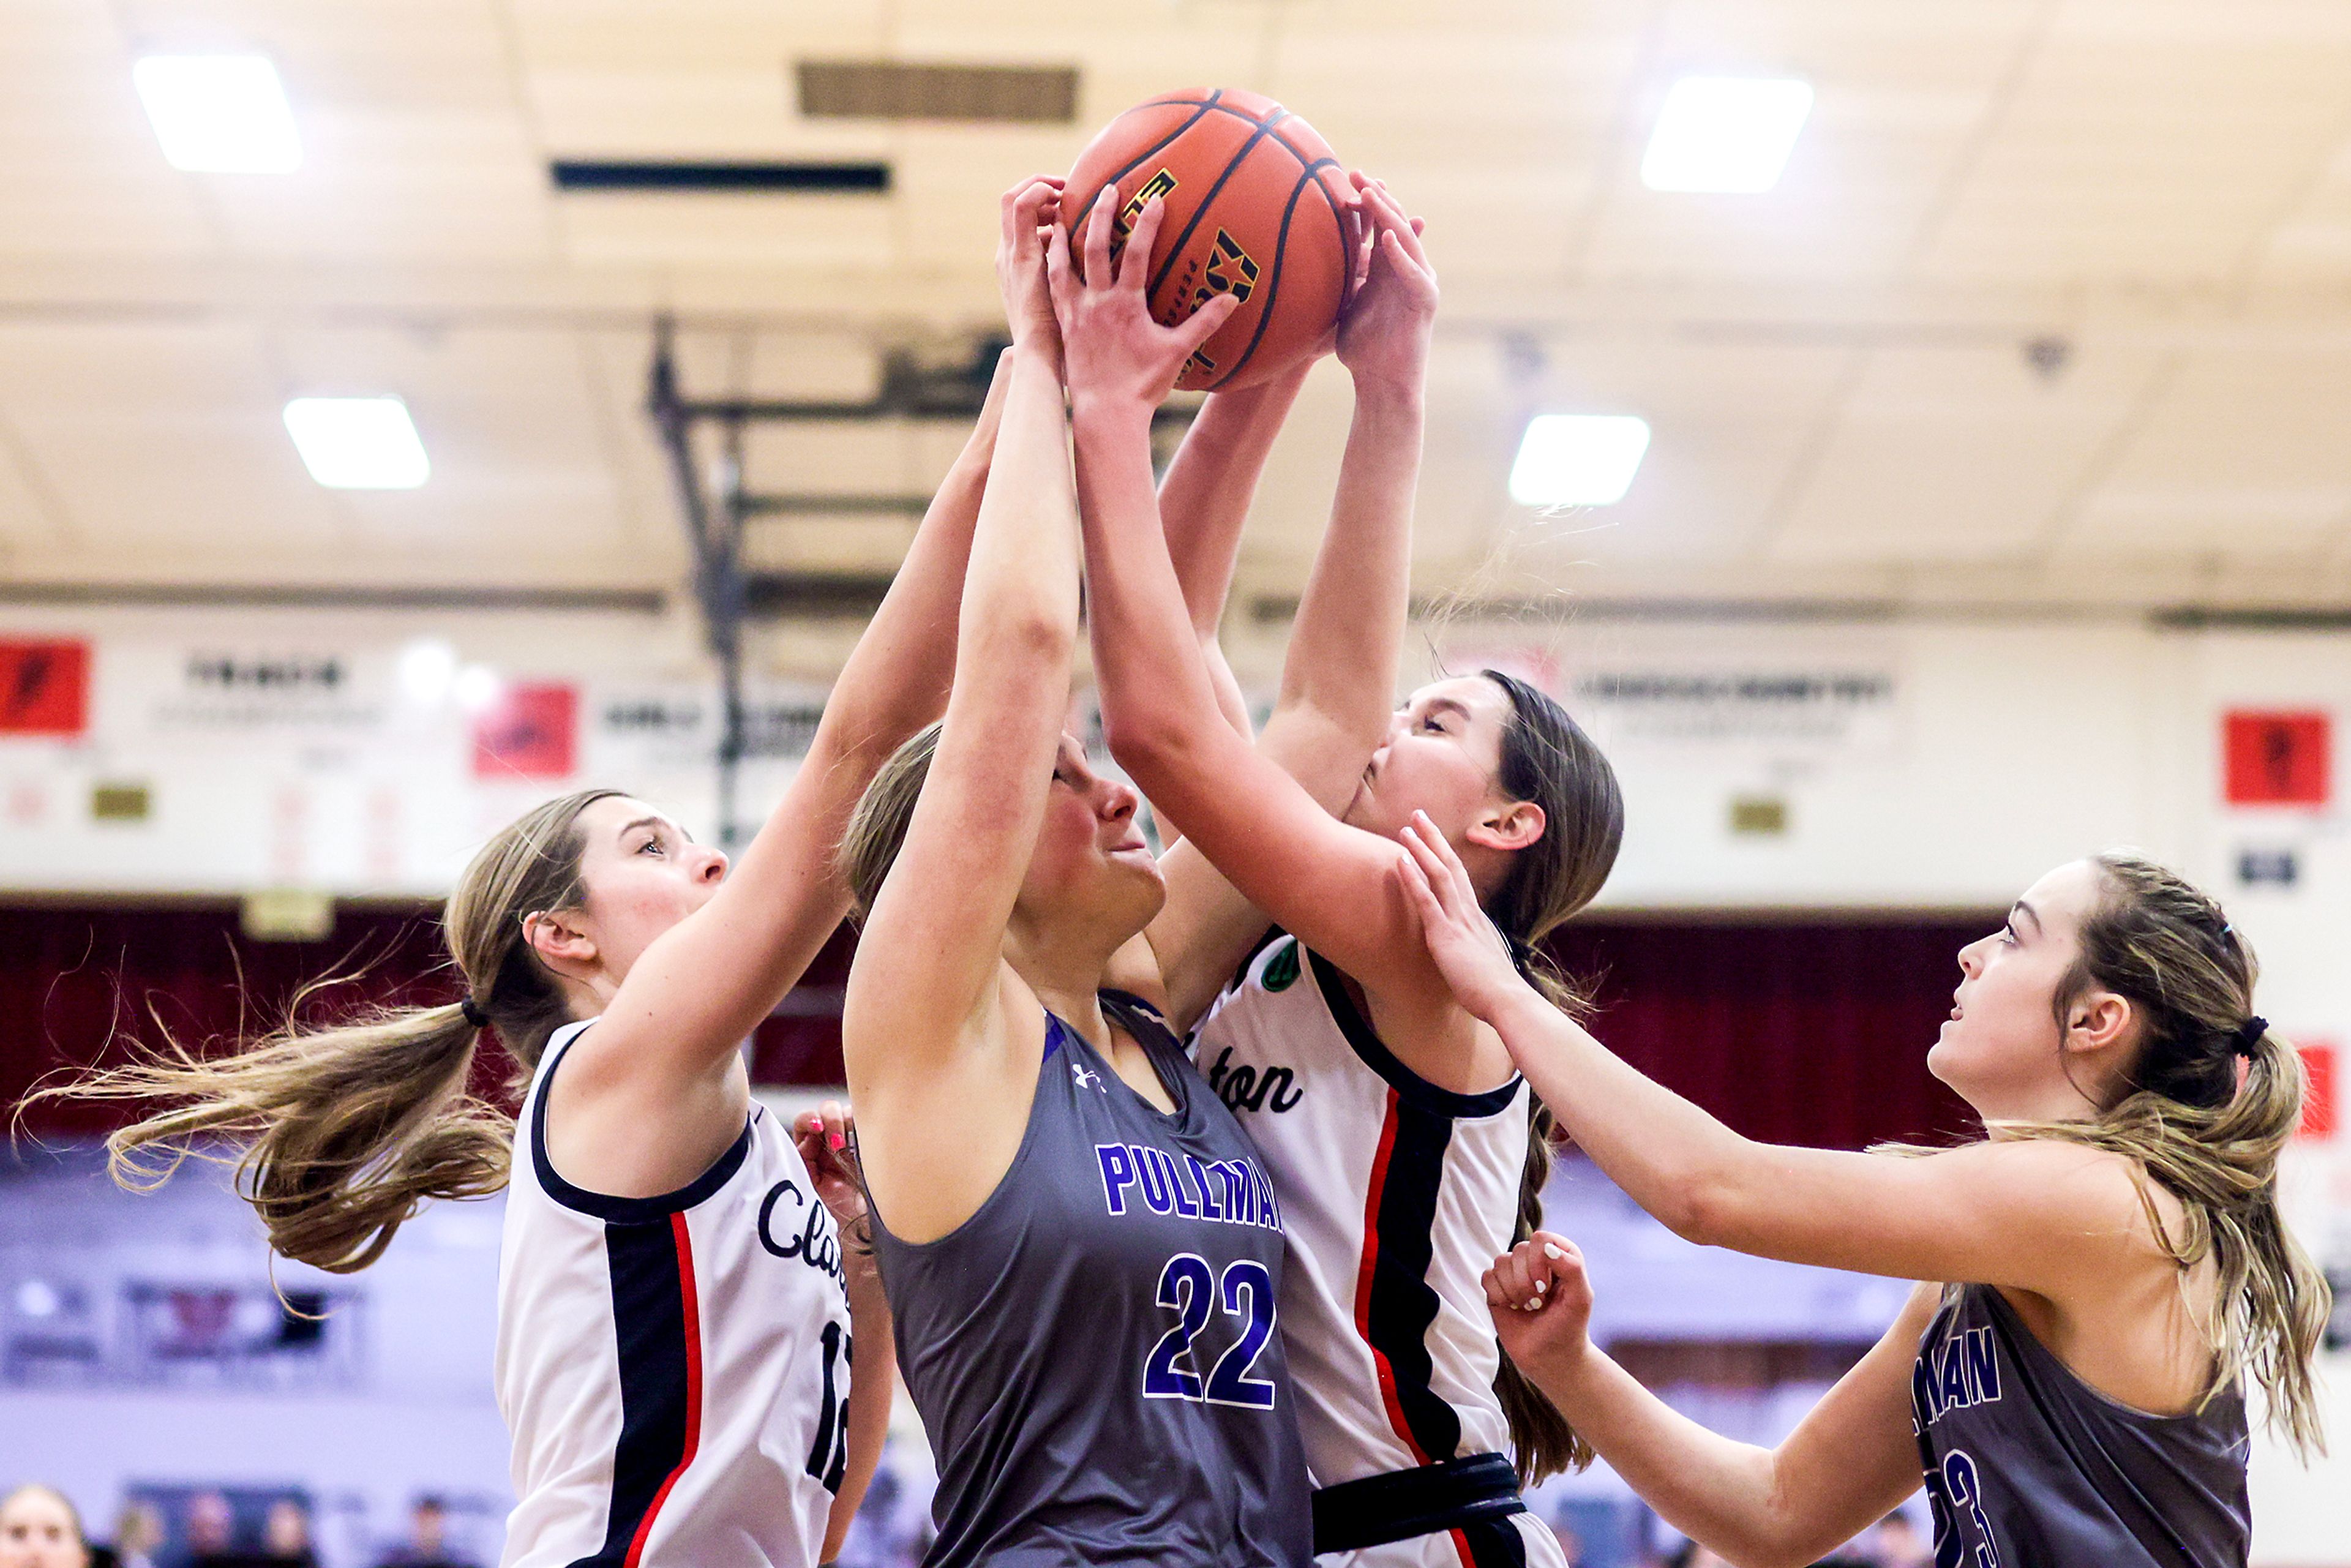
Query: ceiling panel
(1831, 370)
(2243, 454)
(1959, 453)
(2151, 142)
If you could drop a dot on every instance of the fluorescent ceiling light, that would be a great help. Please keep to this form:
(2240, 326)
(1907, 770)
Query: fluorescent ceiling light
(1578, 459)
(358, 443)
(1725, 133)
(219, 114)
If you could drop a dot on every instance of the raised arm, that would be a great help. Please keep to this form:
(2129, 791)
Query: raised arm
(931, 1039)
(930, 947)
(1280, 846)
(759, 931)
(2038, 1215)
(1846, 1465)
(1203, 503)
(1339, 676)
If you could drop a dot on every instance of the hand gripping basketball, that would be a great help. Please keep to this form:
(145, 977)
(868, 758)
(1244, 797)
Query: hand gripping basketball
(1112, 351)
(1382, 335)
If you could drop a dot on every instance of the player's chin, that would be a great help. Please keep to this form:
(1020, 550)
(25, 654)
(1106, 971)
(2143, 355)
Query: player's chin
(1137, 866)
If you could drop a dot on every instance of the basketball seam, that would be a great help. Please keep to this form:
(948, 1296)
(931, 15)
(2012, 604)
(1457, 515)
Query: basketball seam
(1273, 288)
(1207, 201)
(1199, 112)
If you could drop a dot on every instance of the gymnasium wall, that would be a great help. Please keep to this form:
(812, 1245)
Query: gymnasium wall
(1915, 768)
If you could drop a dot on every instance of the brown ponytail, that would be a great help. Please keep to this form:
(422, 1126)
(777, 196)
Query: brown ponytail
(343, 1132)
(1547, 758)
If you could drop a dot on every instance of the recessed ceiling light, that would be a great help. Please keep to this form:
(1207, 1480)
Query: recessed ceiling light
(358, 443)
(1578, 459)
(1725, 133)
(219, 114)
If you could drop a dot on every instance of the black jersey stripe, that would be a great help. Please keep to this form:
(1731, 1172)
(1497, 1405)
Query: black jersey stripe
(1415, 1089)
(1492, 1543)
(658, 1338)
(1401, 1304)
(604, 1206)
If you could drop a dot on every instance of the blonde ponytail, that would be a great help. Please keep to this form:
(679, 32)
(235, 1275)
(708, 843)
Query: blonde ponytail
(340, 1134)
(2210, 1141)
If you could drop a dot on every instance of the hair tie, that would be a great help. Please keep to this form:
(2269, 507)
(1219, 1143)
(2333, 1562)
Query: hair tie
(2249, 1035)
(474, 1013)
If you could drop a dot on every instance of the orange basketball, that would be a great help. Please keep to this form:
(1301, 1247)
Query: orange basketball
(1252, 199)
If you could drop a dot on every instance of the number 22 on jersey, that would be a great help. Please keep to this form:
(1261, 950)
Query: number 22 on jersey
(1189, 1288)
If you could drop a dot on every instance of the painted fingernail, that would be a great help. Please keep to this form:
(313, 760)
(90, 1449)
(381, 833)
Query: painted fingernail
(1541, 1285)
(1553, 1253)
(837, 1141)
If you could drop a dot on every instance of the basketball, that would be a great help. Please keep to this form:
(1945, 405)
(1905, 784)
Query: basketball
(1253, 208)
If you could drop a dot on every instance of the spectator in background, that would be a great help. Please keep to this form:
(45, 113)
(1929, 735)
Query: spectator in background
(1571, 1545)
(428, 1543)
(286, 1536)
(138, 1535)
(39, 1528)
(212, 1533)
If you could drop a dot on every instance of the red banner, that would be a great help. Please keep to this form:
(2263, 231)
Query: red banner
(2319, 1108)
(530, 732)
(2277, 759)
(44, 687)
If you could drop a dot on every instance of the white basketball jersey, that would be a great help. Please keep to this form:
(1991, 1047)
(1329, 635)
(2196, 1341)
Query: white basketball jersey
(674, 1370)
(1397, 1196)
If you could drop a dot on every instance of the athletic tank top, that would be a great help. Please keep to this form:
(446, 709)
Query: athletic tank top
(674, 1370)
(1094, 1352)
(2026, 1464)
(1397, 1196)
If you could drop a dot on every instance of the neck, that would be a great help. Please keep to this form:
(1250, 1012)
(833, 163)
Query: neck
(1064, 965)
(2059, 1101)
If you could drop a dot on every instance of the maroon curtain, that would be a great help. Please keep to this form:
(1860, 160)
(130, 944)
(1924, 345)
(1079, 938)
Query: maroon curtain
(1805, 1030)
(1796, 1031)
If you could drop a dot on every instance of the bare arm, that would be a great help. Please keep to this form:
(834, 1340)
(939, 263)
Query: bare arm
(1279, 845)
(931, 946)
(930, 1029)
(1205, 502)
(822, 1139)
(872, 1373)
(2038, 1215)
(1339, 676)
(655, 1090)
(1846, 1465)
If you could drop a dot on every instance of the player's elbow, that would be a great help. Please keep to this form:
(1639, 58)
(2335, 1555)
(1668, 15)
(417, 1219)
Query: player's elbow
(1702, 1206)
(1147, 737)
(1026, 633)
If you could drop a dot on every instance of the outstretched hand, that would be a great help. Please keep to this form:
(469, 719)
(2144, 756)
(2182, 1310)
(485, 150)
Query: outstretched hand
(1383, 335)
(1112, 351)
(1020, 262)
(1468, 951)
(1542, 1301)
(823, 1136)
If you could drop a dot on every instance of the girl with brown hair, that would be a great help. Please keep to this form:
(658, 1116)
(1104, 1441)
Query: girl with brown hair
(1082, 1249)
(1404, 1146)
(2101, 1272)
(676, 1304)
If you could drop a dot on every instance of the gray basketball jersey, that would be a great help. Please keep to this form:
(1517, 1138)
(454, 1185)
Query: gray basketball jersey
(2026, 1465)
(1095, 1352)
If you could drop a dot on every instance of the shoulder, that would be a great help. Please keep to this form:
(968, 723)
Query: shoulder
(2078, 1207)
